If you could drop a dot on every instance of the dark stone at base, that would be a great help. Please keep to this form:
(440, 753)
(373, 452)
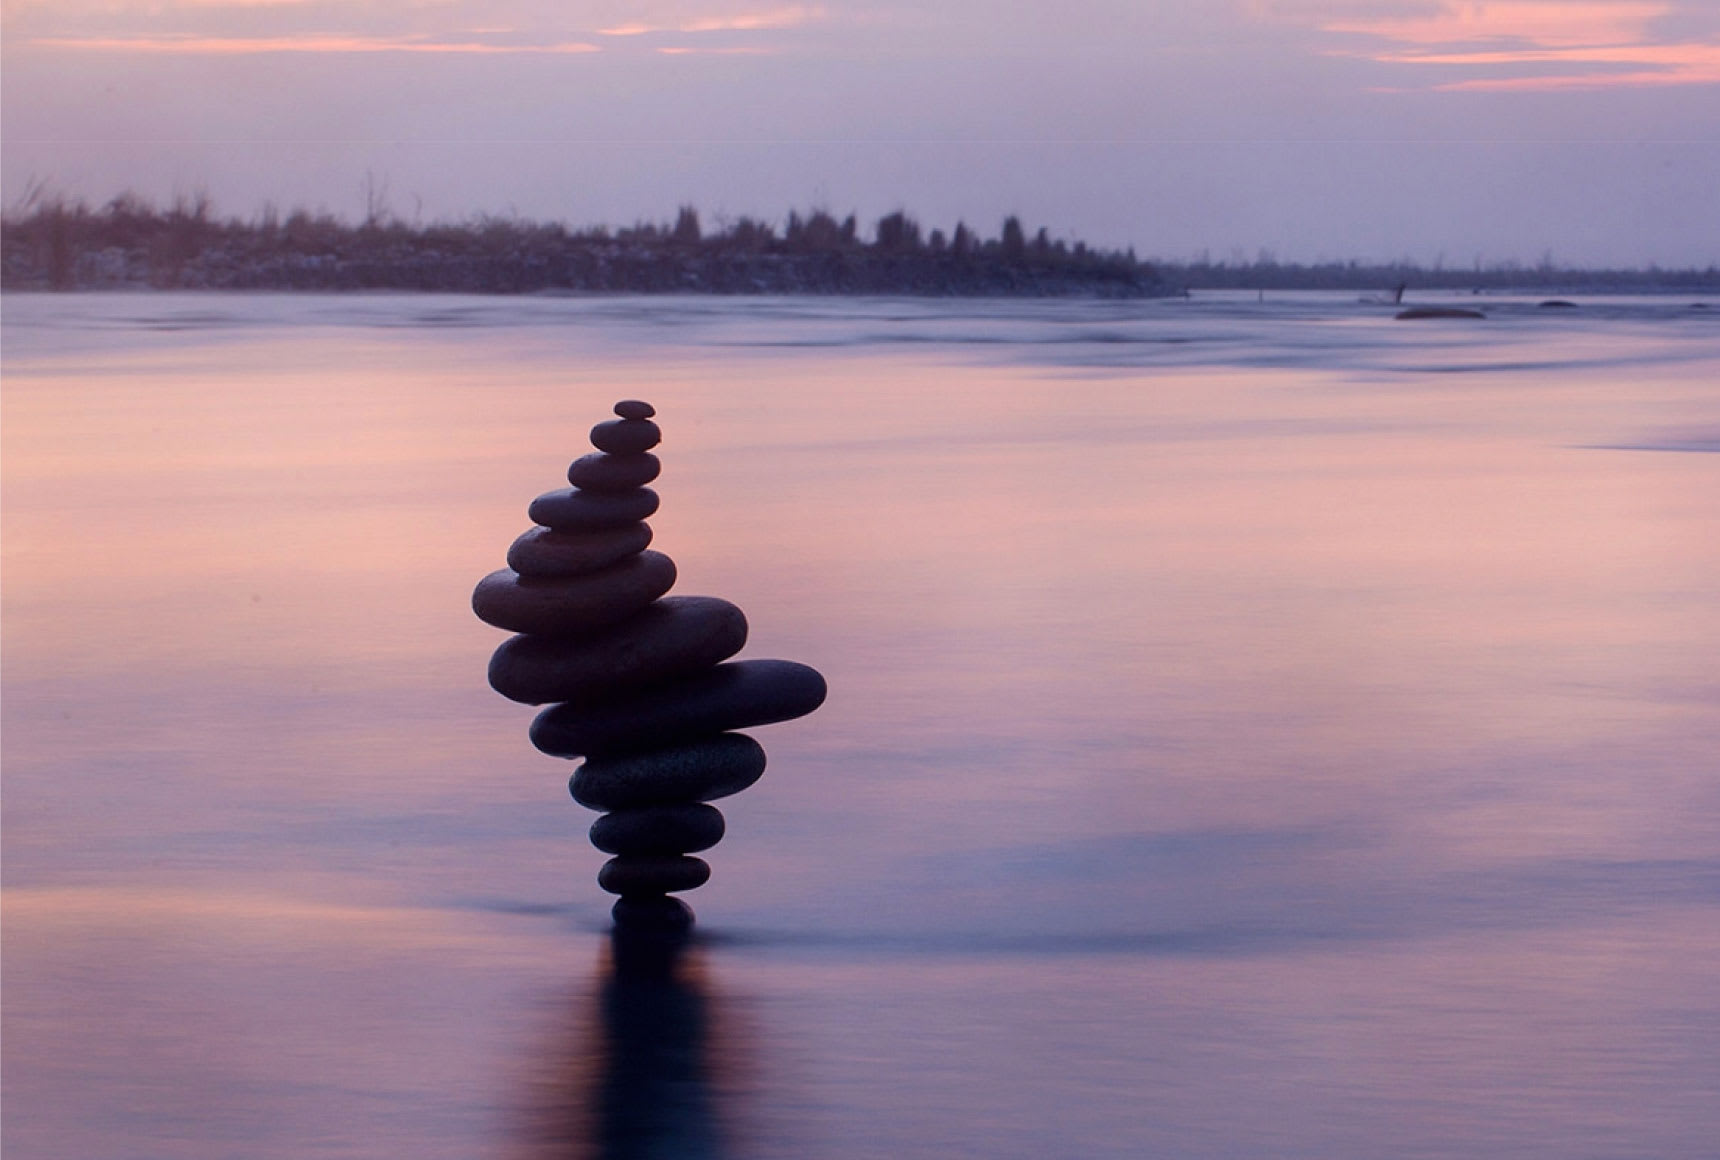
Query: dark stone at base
(632, 876)
(568, 509)
(634, 409)
(652, 914)
(626, 436)
(675, 635)
(543, 552)
(646, 958)
(696, 772)
(612, 473)
(658, 830)
(735, 695)
(572, 605)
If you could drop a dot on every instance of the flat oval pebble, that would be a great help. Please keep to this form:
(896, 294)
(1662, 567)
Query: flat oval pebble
(634, 409)
(734, 695)
(699, 771)
(653, 875)
(567, 606)
(658, 830)
(568, 509)
(654, 914)
(626, 436)
(672, 636)
(601, 471)
(546, 552)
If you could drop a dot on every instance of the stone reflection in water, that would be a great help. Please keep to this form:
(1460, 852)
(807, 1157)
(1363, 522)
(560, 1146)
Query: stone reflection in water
(650, 1073)
(646, 691)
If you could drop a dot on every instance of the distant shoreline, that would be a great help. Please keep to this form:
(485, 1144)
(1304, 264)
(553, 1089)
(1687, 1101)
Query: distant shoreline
(1416, 295)
(129, 244)
(62, 245)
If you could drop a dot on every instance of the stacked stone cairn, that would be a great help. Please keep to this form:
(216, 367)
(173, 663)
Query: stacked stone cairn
(639, 683)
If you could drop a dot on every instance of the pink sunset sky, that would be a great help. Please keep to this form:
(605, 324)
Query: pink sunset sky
(1441, 130)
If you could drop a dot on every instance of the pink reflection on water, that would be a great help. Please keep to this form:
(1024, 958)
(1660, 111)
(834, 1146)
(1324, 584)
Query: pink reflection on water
(1151, 685)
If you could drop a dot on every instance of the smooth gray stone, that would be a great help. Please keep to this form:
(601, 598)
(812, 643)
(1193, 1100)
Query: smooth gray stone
(546, 552)
(651, 914)
(634, 409)
(658, 830)
(568, 509)
(572, 605)
(675, 635)
(626, 436)
(701, 771)
(627, 876)
(734, 695)
(603, 472)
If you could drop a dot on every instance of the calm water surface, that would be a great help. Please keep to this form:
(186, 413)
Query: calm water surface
(1256, 730)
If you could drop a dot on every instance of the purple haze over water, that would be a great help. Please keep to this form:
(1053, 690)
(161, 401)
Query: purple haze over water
(1256, 729)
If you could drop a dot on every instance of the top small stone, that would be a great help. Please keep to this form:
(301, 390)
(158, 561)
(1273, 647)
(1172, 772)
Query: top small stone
(634, 409)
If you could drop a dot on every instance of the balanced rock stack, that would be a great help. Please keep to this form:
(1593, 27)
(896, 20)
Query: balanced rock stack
(647, 694)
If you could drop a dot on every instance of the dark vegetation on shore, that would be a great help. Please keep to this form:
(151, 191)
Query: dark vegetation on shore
(61, 244)
(52, 242)
(1266, 273)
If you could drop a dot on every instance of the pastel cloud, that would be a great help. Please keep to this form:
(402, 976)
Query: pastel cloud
(251, 45)
(1549, 25)
(13, 9)
(1520, 45)
(246, 27)
(790, 16)
(730, 50)
(1667, 64)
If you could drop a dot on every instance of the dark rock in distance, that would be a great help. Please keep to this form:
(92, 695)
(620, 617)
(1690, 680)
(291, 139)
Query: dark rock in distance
(603, 472)
(672, 636)
(653, 875)
(546, 552)
(626, 436)
(572, 605)
(700, 771)
(634, 409)
(654, 831)
(1415, 312)
(1558, 304)
(568, 509)
(735, 695)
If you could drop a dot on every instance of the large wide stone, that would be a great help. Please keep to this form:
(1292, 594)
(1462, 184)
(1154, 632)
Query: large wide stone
(626, 436)
(734, 695)
(572, 605)
(568, 509)
(545, 552)
(600, 471)
(628, 876)
(699, 771)
(658, 830)
(675, 635)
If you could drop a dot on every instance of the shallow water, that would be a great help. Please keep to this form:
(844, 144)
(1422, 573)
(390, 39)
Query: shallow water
(1256, 729)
